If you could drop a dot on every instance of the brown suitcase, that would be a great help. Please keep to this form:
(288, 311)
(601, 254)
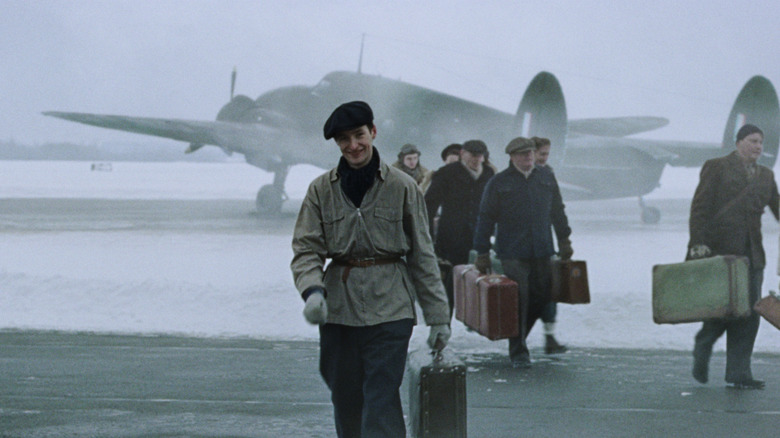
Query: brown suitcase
(437, 394)
(769, 308)
(486, 303)
(570, 282)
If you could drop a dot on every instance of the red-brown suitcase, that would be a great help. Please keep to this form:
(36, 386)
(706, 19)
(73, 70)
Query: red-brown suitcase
(486, 303)
(570, 282)
(769, 308)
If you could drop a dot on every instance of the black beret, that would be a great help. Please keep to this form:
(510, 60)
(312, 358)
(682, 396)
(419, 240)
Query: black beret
(348, 115)
(452, 149)
(477, 147)
(748, 129)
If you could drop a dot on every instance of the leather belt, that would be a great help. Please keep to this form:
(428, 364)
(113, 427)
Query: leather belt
(363, 263)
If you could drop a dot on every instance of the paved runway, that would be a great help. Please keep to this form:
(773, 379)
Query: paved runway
(88, 385)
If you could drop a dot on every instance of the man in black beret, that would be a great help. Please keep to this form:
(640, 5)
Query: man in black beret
(369, 218)
(726, 211)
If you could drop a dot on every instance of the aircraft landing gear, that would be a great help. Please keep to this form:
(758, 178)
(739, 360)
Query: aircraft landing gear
(649, 215)
(269, 200)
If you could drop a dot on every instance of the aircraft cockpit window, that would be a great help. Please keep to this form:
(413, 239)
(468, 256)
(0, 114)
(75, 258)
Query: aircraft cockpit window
(321, 87)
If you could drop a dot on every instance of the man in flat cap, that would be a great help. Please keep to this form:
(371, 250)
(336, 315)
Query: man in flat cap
(522, 204)
(409, 162)
(370, 220)
(726, 211)
(457, 189)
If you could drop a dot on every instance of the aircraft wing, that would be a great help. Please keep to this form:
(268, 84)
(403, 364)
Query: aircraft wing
(616, 126)
(680, 153)
(197, 133)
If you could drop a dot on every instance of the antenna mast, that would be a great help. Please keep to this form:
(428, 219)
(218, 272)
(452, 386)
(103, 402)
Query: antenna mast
(360, 60)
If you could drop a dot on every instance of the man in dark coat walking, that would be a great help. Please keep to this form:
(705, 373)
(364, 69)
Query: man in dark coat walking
(726, 219)
(457, 189)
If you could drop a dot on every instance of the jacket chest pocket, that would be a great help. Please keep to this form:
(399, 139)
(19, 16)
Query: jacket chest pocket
(333, 225)
(387, 228)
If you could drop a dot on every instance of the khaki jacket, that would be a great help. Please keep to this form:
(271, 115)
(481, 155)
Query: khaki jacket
(391, 222)
(727, 207)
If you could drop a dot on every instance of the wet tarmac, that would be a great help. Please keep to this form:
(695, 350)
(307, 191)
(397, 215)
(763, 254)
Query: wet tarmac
(88, 385)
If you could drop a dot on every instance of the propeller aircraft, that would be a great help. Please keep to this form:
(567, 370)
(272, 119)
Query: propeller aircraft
(593, 158)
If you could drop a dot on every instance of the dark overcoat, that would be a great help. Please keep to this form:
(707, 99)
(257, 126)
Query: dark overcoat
(458, 194)
(727, 207)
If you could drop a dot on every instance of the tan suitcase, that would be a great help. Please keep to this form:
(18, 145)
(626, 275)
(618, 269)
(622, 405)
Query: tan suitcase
(769, 308)
(697, 290)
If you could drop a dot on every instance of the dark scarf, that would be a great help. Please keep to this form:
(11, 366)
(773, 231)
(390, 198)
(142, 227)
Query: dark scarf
(356, 182)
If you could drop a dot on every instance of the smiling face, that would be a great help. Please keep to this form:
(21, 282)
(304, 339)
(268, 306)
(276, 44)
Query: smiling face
(472, 161)
(523, 160)
(356, 145)
(751, 147)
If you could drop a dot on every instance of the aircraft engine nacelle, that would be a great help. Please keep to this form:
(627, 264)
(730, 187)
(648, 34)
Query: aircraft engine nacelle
(542, 113)
(756, 104)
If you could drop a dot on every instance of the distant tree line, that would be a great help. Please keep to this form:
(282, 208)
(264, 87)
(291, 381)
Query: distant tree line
(10, 150)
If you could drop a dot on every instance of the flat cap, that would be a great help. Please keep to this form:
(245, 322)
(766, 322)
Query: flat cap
(748, 129)
(407, 149)
(451, 149)
(348, 115)
(477, 147)
(520, 144)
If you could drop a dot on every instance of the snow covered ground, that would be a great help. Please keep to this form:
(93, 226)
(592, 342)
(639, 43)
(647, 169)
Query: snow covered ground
(133, 278)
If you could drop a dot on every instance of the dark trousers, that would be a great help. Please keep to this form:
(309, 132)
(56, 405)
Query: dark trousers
(549, 312)
(533, 278)
(740, 336)
(363, 368)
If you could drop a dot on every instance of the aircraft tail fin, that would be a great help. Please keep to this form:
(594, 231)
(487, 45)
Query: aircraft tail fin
(542, 113)
(756, 104)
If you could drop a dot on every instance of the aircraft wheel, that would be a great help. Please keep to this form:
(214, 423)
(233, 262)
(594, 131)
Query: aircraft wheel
(269, 200)
(651, 215)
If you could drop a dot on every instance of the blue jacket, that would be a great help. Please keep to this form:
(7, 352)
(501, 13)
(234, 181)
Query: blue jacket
(522, 211)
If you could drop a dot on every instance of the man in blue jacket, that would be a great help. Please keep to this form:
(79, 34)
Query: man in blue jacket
(523, 204)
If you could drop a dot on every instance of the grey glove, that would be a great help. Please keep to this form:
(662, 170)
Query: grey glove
(440, 335)
(565, 250)
(316, 309)
(482, 263)
(699, 252)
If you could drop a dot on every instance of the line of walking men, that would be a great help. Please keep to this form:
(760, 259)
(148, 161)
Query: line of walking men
(363, 254)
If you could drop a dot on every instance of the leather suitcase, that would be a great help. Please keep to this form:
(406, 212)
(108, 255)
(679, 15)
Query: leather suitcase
(570, 282)
(697, 290)
(437, 394)
(769, 308)
(487, 304)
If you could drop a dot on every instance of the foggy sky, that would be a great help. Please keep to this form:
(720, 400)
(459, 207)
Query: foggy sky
(682, 60)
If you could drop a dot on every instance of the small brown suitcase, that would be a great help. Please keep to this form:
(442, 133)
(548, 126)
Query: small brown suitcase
(486, 303)
(437, 394)
(769, 308)
(570, 282)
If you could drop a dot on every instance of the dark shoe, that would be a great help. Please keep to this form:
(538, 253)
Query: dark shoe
(521, 362)
(551, 346)
(700, 370)
(749, 384)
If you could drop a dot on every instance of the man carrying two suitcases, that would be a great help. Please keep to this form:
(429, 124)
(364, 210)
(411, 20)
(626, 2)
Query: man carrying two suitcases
(524, 204)
(370, 219)
(726, 220)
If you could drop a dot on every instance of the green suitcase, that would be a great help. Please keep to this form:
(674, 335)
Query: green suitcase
(697, 290)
